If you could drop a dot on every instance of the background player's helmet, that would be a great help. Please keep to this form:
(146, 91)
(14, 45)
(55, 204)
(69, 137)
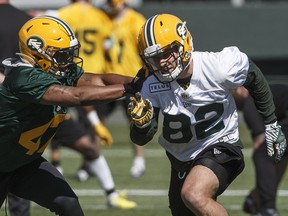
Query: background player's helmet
(49, 43)
(162, 35)
(113, 7)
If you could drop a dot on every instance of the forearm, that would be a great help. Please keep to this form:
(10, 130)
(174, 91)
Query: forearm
(261, 93)
(102, 79)
(82, 95)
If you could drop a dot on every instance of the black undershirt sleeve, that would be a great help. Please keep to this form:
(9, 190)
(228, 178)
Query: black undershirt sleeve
(259, 89)
(252, 118)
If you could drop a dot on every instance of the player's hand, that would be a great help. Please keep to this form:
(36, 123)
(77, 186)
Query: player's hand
(104, 134)
(275, 141)
(140, 112)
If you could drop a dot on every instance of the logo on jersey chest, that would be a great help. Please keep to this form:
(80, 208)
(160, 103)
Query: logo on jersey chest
(185, 96)
(186, 104)
(159, 87)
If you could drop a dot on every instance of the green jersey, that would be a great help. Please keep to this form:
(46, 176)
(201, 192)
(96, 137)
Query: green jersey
(26, 126)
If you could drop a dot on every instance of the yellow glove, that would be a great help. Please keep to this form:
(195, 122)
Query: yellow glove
(104, 134)
(139, 111)
(100, 129)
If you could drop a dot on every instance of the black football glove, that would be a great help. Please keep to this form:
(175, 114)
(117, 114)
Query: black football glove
(137, 82)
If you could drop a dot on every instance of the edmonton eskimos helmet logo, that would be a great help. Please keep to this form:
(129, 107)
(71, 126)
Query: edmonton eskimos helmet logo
(181, 30)
(34, 43)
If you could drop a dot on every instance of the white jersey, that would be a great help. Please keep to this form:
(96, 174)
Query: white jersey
(205, 113)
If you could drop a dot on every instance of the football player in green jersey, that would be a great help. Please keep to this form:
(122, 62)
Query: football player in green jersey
(38, 86)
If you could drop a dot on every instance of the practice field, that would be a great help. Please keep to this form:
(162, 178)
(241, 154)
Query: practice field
(150, 191)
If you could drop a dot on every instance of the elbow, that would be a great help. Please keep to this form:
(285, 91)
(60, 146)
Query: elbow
(76, 99)
(84, 98)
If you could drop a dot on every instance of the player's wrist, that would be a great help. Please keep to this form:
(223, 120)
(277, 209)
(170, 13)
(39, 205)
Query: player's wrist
(273, 125)
(93, 118)
(128, 89)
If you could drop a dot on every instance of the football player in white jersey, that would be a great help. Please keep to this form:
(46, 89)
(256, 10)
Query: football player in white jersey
(193, 91)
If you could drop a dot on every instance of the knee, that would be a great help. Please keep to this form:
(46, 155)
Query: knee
(88, 148)
(91, 154)
(67, 206)
(193, 199)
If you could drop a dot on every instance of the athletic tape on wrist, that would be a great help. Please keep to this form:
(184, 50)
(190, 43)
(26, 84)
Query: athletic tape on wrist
(93, 118)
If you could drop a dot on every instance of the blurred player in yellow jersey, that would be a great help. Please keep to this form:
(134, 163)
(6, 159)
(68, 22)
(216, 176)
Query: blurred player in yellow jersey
(121, 49)
(92, 26)
(121, 54)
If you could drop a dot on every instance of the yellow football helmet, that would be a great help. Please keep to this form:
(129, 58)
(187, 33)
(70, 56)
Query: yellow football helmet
(49, 43)
(165, 36)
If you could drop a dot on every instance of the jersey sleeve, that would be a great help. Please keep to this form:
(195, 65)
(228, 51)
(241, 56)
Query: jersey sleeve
(29, 84)
(252, 118)
(234, 66)
(259, 89)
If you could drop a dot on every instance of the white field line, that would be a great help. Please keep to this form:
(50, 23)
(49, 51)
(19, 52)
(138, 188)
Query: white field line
(154, 192)
(114, 152)
(92, 205)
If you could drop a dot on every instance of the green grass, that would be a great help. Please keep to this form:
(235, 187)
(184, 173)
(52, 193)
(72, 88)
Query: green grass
(156, 179)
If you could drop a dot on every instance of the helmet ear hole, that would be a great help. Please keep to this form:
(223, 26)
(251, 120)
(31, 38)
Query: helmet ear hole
(187, 56)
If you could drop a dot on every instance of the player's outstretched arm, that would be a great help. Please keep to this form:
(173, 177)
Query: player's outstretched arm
(82, 95)
(91, 89)
(103, 79)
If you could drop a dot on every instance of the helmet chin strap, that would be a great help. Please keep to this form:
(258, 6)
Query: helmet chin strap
(42, 52)
(169, 77)
(52, 69)
(166, 78)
